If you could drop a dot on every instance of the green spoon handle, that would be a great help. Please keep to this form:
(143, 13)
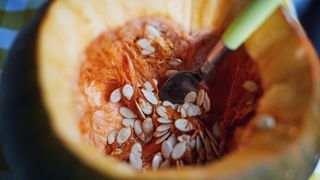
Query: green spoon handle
(249, 20)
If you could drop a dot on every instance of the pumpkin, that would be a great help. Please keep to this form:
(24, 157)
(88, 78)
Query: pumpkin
(40, 128)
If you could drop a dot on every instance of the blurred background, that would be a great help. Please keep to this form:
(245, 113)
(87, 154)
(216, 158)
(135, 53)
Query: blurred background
(15, 13)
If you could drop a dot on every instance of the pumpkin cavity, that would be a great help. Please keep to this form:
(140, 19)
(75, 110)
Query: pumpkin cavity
(129, 65)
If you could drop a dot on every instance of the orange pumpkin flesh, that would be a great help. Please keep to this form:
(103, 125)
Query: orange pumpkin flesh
(290, 98)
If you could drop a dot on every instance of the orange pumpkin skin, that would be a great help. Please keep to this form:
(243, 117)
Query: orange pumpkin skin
(34, 151)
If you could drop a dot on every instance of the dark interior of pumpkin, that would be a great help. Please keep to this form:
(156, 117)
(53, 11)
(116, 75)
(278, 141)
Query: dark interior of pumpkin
(113, 59)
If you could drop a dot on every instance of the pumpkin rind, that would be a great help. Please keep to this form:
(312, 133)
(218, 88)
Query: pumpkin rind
(292, 99)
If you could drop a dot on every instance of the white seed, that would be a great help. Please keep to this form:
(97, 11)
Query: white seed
(194, 111)
(127, 113)
(127, 122)
(166, 149)
(175, 106)
(137, 127)
(163, 127)
(139, 109)
(148, 51)
(265, 121)
(152, 31)
(183, 112)
(127, 91)
(186, 105)
(144, 43)
(250, 86)
(135, 160)
(115, 95)
(156, 161)
(175, 62)
(145, 107)
(112, 137)
(165, 164)
(183, 125)
(164, 120)
(150, 96)
(206, 102)
(171, 72)
(148, 86)
(200, 97)
(123, 135)
(162, 111)
(148, 126)
(179, 150)
(190, 97)
(163, 137)
(136, 148)
(168, 103)
(160, 133)
(173, 139)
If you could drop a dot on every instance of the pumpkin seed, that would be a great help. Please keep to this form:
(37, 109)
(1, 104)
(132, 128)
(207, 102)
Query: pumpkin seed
(162, 111)
(156, 161)
(162, 138)
(163, 127)
(190, 97)
(148, 86)
(148, 138)
(200, 97)
(172, 139)
(194, 110)
(127, 91)
(137, 127)
(148, 126)
(115, 95)
(127, 113)
(164, 120)
(179, 150)
(206, 103)
(144, 43)
(136, 148)
(127, 122)
(145, 107)
(140, 110)
(123, 135)
(166, 149)
(150, 96)
(135, 160)
(112, 137)
(152, 31)
(175, 62)
(171, 72)
(183, 137)
(160, 133)
(183, 125)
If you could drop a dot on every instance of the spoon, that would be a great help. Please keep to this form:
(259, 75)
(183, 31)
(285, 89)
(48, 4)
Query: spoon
(249, 20)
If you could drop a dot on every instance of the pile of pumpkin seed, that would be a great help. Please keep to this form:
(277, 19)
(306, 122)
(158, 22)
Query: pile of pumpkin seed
(176, 128)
